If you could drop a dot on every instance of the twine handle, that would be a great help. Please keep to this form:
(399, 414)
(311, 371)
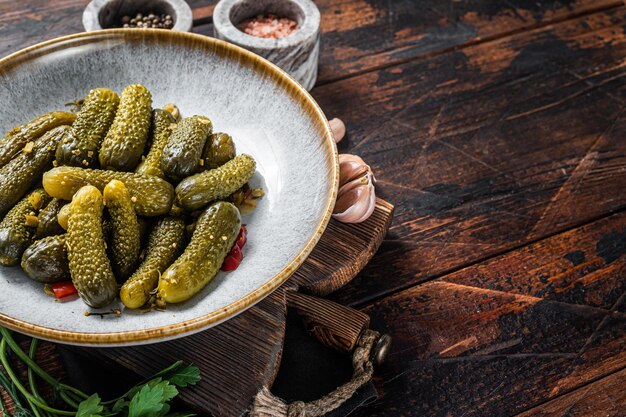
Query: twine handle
(267, 404)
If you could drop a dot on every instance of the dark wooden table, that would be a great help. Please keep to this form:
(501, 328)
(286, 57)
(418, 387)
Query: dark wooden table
(497, 129)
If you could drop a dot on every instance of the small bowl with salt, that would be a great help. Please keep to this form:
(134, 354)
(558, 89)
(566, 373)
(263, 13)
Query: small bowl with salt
(286, 32)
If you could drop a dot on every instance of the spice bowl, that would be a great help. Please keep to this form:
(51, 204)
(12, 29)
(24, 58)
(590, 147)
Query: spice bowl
(297, 53)
(108, 14)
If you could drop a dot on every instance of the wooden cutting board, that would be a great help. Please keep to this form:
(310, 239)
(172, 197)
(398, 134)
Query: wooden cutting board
(239, 357)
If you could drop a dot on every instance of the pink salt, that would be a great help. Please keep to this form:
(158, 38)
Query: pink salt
(270, 26)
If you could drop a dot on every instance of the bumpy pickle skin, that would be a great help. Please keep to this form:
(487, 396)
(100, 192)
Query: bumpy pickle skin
(16, 139)
(218, 150)
(92, 123)
(215, 233)
(197, 191)
(151, 196)
(46, 260)
(48, 224)
(15, 234)
(90, 269)
(23, 171)
(182, 154)
(162, 126)
(125, 243)
(164, 245)
(126, 139)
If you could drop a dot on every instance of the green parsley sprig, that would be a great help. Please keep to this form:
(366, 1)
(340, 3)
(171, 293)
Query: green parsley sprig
(150, 398)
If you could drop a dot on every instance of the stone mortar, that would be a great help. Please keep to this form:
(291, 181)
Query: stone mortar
(106, 14)
(297, 53)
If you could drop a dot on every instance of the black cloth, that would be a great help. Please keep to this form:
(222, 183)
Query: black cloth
(308, 370)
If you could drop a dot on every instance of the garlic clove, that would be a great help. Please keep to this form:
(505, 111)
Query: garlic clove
(356, 204)
(338, 128)
(351, 167)
(371, 205)
(363, 180)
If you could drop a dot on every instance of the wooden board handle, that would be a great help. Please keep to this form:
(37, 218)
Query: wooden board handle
(335, 326)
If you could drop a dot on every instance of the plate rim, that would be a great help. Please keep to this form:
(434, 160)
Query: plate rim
(194, 325)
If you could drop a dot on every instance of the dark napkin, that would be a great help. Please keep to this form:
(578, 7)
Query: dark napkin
(308, 370)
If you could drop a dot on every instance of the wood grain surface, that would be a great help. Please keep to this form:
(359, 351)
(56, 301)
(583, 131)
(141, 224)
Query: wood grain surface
(496, 129)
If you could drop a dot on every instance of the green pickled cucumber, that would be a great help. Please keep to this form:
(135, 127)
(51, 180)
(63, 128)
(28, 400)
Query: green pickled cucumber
(164, 245)
(93, 121)
(182, 154)
(218, 150)
(162, 126)
(215, 234)
(86, 249)
(46, 260)
(201, 189)
(124, 143)
(16, 139)
(23, 171)
(151, 196)
(48, 223)
(125, 243)
(15, 232)
(63, 215)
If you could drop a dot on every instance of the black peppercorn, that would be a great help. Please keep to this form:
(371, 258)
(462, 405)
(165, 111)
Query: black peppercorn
(147, 20)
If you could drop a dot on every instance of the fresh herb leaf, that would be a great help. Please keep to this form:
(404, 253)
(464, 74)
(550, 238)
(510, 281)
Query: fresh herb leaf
(151, 400)
(189, 375)
(90, 407)
(119, 406)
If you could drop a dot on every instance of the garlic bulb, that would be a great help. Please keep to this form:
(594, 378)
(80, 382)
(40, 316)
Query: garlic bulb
(356, 198)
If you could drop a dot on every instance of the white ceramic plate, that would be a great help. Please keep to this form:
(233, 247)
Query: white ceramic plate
(268, 114)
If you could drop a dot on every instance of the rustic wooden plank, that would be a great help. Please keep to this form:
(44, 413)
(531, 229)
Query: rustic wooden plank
(486, 149)
(358, 35)
(31, 21)
(589, 270)
(480, 349)
(603, 398)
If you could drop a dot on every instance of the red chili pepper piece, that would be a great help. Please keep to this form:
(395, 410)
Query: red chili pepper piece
(63, 289)
(242, 238)
(236, 253)
(235, 256)
(230, 264)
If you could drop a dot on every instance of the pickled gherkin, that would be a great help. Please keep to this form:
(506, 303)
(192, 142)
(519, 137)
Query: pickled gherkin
(63, 215)
(48, 224)
(165, 243)
(151, 196)
(46, 260)
(182, 154)
(15, 232)
(19, 175)
(16, 139)
(86, 250)
(162, 126)
(218, 150)
(125, 142)
(92, 123)
(201, 189)
(125, 243)
(215, 233)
